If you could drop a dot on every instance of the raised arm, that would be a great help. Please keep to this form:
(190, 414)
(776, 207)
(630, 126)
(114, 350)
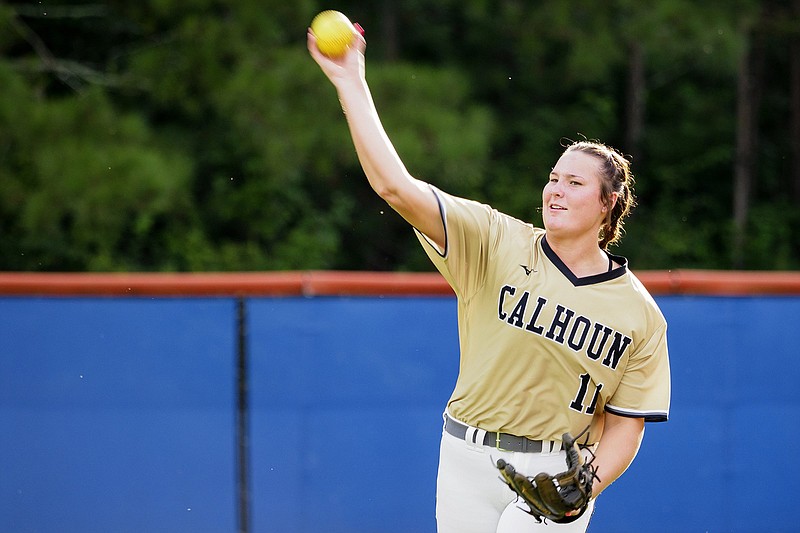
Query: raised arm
(387, 175)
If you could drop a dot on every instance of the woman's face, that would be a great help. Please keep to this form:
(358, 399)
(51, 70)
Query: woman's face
(571, 203)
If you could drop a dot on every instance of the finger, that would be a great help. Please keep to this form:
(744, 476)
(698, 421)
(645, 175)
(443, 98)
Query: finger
(360, 43)
(311, 42)
(359, 40)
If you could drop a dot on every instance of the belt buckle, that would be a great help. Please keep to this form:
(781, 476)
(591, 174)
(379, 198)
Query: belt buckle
(497, 443)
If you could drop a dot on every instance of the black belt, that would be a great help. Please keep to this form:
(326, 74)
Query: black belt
(501, 441)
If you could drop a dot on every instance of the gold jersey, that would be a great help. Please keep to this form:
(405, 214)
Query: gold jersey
(542, 351)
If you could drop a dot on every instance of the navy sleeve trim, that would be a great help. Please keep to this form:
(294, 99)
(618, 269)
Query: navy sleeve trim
(649, 416)
(443, 215)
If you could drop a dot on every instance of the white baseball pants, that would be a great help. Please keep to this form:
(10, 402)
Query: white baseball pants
(471, 497)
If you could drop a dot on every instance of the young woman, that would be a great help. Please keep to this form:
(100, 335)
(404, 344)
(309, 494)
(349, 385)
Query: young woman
(556, 334)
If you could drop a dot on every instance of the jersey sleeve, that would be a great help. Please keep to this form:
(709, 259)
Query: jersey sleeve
(468, 227)
(644, 391)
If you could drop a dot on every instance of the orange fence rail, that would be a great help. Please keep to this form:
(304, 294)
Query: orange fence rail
(322, 283)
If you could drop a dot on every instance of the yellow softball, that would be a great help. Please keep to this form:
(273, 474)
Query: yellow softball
(334, 32)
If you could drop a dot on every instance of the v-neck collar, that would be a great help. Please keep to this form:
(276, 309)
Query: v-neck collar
(588, 280)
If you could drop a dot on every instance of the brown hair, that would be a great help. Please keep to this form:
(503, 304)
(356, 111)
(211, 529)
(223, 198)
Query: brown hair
(616, 176)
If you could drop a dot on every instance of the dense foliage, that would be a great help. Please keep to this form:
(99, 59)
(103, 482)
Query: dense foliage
(197, 135)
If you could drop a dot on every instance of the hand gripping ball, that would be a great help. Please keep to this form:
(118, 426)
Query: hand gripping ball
(334, 32)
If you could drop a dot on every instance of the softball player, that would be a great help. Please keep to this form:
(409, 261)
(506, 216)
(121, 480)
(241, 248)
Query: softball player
(556, 334)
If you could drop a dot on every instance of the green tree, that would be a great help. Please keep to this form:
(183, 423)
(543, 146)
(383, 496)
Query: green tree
(199, 135)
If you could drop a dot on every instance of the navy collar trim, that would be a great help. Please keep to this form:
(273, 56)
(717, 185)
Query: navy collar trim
(588, 280)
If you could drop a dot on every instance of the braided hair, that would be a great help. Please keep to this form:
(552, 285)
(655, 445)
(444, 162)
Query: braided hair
(616, 176)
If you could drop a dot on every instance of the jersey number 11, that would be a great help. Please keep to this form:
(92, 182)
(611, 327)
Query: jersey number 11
(579, 403)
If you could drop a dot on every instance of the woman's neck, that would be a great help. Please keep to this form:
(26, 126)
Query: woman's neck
(582, 258)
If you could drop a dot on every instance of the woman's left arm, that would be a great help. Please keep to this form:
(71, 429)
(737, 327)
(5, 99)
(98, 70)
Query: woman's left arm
(617, 448)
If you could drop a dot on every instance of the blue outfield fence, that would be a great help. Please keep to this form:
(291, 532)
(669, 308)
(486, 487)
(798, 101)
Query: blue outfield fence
(119, 414)
(116, 415)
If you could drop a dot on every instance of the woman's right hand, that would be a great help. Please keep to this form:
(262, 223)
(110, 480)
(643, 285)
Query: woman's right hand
(347, 68)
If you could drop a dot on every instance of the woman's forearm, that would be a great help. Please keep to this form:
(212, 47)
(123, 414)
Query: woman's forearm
(617, 449)
(383, 167)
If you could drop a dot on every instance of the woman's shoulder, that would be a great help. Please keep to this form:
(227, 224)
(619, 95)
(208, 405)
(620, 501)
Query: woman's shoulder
(454, 202)
(646, 300)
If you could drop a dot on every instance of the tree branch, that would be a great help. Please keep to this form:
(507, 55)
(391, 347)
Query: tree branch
(71, 73)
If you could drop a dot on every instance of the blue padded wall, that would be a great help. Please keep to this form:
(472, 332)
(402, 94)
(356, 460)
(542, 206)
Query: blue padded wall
(118, 414)
(347, 390)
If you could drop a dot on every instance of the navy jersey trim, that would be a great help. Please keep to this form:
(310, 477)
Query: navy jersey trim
(588, 280)
(649, 416)
(444, 225)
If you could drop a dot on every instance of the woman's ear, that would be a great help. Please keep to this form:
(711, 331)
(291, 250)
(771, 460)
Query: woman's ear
(612, 200)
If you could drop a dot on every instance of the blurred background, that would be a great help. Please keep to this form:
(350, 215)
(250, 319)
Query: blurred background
(163, 136)
(198, 135)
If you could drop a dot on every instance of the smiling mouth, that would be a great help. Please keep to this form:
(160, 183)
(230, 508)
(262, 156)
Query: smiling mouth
(554, 207)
